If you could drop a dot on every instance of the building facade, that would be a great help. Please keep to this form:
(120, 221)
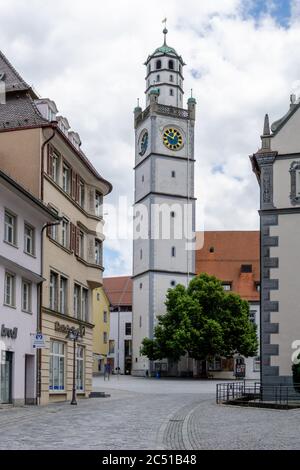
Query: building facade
(277, 167)
(233, 257)
(101, 321)
(56, 170)
(119, 292)
(164, 202)
(22, 218)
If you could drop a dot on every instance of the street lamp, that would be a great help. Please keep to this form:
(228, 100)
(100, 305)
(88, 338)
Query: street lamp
(73, 335)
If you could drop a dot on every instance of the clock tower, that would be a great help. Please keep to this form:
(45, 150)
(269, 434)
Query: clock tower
(164, 203)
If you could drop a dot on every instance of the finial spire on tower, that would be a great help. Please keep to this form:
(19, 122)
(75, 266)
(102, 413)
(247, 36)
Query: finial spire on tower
(165, 31)
(266, 125)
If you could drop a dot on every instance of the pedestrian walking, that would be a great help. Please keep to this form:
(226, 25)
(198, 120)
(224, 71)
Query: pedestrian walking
(106, 371)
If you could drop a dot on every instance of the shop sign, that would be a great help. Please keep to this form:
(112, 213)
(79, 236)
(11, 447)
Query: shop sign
(38, 341)
(9, 332)
(67, 329)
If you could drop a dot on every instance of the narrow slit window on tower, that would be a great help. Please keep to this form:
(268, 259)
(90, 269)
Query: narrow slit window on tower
(171, 91)
(171, 64)
(141, 254)
(173, 174)
(180, 68)
(143, 179)
(171, 78)
(158, 64)
(141, 285)
(173, 283)
(172, 214)
(157, 78)
(173, 251)
(149, 68)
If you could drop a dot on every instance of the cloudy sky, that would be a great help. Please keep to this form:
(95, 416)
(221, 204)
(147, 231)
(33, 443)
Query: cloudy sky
(242, 61)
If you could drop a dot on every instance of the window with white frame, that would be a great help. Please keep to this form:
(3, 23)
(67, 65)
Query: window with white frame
(55, 167)
(98, 252)
(66, 178)
(65, 233)
(53, 291)
(227, 286)
(57, 366)
(215, 363)
(10, 290)
(26, 296)
(85, 304)
(127, 328)
(256, 364)
(10, 228)
(63, 294)
(252, 316)
(77, 301)
(29, 239)
(98, 203)
(80, 368)
(53, 229)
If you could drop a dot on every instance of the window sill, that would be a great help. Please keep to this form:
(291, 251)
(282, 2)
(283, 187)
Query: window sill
(26, 311)
(10, 306)
(57, 392)
(11, 244)
(32, 255)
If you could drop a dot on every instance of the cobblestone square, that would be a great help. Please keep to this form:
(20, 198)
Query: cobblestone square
(149, 414)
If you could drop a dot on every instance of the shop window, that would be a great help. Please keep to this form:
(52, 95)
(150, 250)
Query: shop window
(57, 366)
(80, 368)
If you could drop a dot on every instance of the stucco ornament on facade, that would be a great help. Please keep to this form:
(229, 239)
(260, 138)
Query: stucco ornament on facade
(295, 199)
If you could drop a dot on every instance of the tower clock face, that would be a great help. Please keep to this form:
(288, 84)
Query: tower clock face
(143, 144)
(172, 139)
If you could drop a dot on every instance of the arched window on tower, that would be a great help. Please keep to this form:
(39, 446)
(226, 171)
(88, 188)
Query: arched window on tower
(171, 92)
(171, 78)
(157, 78)
(158, 64)
(171, 64)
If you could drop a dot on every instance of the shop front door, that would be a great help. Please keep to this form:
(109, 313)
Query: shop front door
(6, 364)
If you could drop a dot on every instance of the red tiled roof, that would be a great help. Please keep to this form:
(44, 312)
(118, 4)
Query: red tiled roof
(118, 290)
(231, 249)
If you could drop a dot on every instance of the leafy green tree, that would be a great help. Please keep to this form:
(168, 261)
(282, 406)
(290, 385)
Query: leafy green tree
(202, 321)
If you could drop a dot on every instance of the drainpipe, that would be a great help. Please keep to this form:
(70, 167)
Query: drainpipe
(40, 285)
(39, 315)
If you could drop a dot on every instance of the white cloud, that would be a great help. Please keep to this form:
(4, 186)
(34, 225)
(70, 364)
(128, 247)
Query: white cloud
(88, 57)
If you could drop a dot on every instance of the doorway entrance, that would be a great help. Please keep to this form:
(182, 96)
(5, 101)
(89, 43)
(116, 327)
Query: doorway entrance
(6, 365)
(29, 379)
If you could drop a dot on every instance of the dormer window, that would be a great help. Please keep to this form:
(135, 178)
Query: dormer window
(158, 64)
(171, 64)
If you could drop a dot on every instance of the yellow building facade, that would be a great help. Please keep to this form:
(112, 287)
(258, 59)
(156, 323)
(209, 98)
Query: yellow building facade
(101, 321)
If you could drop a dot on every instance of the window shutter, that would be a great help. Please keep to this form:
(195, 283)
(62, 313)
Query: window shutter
(92, 201)
(49, 230)
(73, 184)
(91, 250)
(72, 237)
(77, 188)
(77, 238)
